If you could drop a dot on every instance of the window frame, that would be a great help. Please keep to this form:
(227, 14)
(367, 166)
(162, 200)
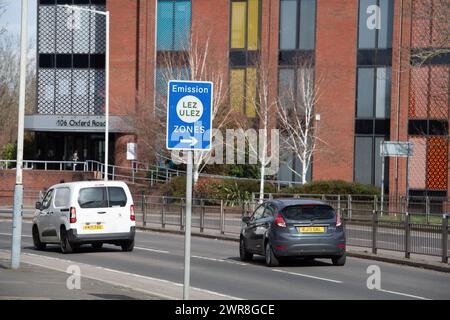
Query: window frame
(173, 2)
(230, 36)
(389, 27)
(297, 28)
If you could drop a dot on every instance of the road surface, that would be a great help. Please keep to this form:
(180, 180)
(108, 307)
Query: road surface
(216, 268)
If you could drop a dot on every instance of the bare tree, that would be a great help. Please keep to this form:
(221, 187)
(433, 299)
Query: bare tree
(297, 117)
(196, 65)
(9, 87)
(263, 101)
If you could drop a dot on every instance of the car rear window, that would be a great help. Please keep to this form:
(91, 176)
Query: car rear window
(313, 212)
(102, 197)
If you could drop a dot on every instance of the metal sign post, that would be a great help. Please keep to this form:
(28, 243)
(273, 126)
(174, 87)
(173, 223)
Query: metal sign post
(399, 150)
(189, 128)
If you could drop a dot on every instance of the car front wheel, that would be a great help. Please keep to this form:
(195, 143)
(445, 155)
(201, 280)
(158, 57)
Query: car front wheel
(243, 253)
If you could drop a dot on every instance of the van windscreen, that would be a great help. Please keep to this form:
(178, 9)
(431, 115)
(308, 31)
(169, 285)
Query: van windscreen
(313, 212)
(101, 197)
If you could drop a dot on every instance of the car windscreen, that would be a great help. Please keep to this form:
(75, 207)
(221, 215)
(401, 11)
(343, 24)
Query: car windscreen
(309, 212)
(102, 197)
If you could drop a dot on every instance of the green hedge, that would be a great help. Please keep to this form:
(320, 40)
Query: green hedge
(231, 190)
(235, 191)
(333, 187)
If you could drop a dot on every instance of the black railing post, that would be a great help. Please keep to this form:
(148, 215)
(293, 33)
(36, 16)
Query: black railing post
(445, 238)
(182, 215)
(407, 236)
(163, 212)
(202, 216)
(143, 206)
(374, 231)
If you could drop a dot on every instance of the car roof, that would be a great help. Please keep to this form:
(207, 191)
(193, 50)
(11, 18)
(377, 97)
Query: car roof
(297, 202)
(82, 184)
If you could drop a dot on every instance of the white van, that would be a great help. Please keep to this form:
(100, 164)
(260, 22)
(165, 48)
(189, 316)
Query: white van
(73, 214)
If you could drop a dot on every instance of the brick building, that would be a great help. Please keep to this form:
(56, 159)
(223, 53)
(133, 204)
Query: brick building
(378, 82)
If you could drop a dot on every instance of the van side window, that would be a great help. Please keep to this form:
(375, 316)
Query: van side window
(62, 197)
(47, 200)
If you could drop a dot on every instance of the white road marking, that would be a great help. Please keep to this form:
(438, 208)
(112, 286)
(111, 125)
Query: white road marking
(220, 260)
(403, 294)
(307, 276)
(152, 250)
(10, 235)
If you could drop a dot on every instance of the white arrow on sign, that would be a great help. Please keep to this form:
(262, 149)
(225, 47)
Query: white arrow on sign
(192, 141)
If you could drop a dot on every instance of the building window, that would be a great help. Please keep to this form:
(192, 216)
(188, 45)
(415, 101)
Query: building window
(368, 160)
(429, 164)
(297, 24)
(245, 25)
(374, 93)
(243, 91)
(375, 24)
(174, 25)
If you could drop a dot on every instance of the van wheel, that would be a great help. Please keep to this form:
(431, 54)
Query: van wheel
(339, 260)
(271, 259)
(66, 246)
(243, 253)
(38, 245)
(97, 245)
(127, 246)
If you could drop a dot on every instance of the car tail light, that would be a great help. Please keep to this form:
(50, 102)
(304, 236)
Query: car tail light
(73, 215)
(338, 219)
(132, 215)
(279, 221)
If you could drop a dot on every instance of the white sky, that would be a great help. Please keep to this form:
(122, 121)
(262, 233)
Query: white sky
(11, 18)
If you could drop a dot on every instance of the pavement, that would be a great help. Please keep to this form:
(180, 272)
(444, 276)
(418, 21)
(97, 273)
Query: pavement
(155, 268)
(32, 282)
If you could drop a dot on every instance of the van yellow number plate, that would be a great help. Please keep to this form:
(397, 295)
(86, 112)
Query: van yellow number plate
(312, 229)
(93, 227)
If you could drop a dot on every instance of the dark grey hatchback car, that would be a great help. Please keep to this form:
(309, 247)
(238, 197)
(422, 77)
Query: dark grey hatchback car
(293, 228)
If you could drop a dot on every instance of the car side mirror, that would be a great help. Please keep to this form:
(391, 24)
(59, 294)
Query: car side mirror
(246, 220)
(38, 205)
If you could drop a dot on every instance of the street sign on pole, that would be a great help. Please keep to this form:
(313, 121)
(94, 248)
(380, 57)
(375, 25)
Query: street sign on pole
(189, 115)
(399, 150)
(189, 126)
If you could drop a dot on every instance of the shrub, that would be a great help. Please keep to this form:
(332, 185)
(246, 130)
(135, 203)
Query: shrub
(333, 187)
(231, 190)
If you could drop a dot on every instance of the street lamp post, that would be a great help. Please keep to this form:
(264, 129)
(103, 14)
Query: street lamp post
(18, 189)
(107, 16)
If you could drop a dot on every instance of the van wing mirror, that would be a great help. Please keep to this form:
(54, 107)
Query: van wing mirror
(38, 205)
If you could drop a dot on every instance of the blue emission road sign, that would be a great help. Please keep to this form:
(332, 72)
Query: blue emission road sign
(189, 115)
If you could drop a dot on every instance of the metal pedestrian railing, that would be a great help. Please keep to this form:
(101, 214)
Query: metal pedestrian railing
(410, 233)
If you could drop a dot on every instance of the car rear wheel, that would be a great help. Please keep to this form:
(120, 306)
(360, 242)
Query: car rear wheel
(271, 259)
(66, 245)
(38, 245)
(127, 246)
(339, 260)
(243, 253)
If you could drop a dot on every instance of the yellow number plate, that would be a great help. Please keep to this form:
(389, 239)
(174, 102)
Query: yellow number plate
(312, 229)
(93, 227)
